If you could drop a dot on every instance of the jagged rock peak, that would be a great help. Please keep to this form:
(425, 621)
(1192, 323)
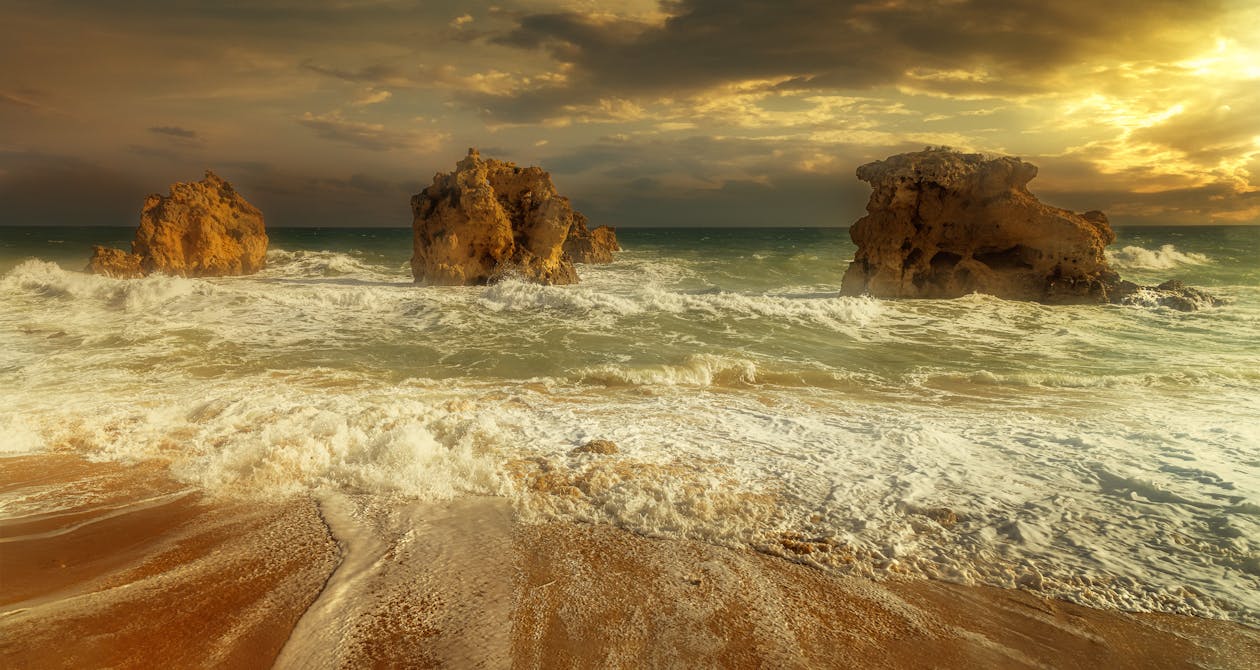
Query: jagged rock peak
(488, 220)
(200, 229)
(585, 245)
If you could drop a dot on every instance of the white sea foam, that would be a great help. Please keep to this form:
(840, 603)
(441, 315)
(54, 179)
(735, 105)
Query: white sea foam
(696, 370)
(1166, 257)
(51, 281)
(1101, 454)
(827, 310)
(19, 437)
(315, 264)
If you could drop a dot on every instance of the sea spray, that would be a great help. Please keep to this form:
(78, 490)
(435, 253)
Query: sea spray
(1102, 454)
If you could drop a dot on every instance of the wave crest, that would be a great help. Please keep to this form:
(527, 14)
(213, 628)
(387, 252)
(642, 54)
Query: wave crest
(1164, 258)
(809, 309)
(304, 264)
(696, 370)
(49, 280)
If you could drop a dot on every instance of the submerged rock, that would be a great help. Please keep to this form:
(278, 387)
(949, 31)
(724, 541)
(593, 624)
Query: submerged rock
(202, 229)
(584, 245)
(943, 224)
(1171, 293)
(601, 447)
(489, 220)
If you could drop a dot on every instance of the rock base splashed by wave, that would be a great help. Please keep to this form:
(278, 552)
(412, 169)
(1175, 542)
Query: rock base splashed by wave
(942, 224)
(1095, 453)
(201, 229)
(490, 220)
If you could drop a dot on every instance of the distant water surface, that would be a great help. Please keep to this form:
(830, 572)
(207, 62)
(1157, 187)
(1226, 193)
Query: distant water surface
(1107, 454)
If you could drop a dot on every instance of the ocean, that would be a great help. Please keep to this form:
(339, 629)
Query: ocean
(1108, 455)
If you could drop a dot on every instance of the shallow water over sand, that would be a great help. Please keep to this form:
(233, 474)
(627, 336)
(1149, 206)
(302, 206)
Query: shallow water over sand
(1109, 455)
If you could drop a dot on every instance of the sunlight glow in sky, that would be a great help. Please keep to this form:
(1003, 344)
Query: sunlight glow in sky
(692, 112)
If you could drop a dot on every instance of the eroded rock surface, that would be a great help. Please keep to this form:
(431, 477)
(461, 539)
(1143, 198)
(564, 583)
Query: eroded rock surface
(584, 245)
(115, 263)
(942, 224)
(490, 220)
(201, 229)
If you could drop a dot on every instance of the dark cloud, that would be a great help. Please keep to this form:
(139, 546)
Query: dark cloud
(175, 131)
(1076, 183)
(993, 47)
(1200, 205)
(359, 200)
(36, 190)
(39, 189)
(378, 74)
(706, 181)
(787, 199)
(369, 136)
(153, 152)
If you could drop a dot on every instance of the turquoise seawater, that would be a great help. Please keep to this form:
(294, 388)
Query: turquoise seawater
(1106, 454)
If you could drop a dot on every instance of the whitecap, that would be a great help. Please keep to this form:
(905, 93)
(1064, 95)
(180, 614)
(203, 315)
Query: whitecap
(696, 370)
(1166, 257)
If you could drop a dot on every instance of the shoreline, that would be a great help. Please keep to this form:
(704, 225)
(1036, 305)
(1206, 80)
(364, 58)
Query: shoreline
(111, 564)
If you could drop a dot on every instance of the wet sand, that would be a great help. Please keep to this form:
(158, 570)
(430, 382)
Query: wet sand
(120, 566)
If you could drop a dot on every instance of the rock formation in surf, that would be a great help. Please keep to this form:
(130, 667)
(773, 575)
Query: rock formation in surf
(115, 263)
(490, 220)
(584, 245)
(942, 224)
(202, 229)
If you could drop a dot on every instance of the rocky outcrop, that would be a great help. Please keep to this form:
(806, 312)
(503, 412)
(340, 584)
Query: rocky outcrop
(202, 229)
(490, 220)
(1171, 293)
(584, 245)
(942, 224)
(115, 263)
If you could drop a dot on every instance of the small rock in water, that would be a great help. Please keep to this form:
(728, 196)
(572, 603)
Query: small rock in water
(584, 245)
(602, 447)
(1172, 293)
(115, 263)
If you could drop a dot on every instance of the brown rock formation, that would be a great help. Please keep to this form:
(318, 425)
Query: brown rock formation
(489, 220)
(584, 245)
(942, 224)
(202, 229)
(115, 263)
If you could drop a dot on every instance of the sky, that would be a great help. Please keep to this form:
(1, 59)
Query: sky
(676, 113)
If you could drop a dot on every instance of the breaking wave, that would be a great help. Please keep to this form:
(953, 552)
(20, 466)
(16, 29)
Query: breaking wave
(314, 264)
(697, 370)
(39, 278)
(1166, 257)
(1100, 454)
(827, 309)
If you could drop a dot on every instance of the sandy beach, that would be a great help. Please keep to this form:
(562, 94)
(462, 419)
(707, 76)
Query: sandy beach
(104, 564)
(638, 334)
